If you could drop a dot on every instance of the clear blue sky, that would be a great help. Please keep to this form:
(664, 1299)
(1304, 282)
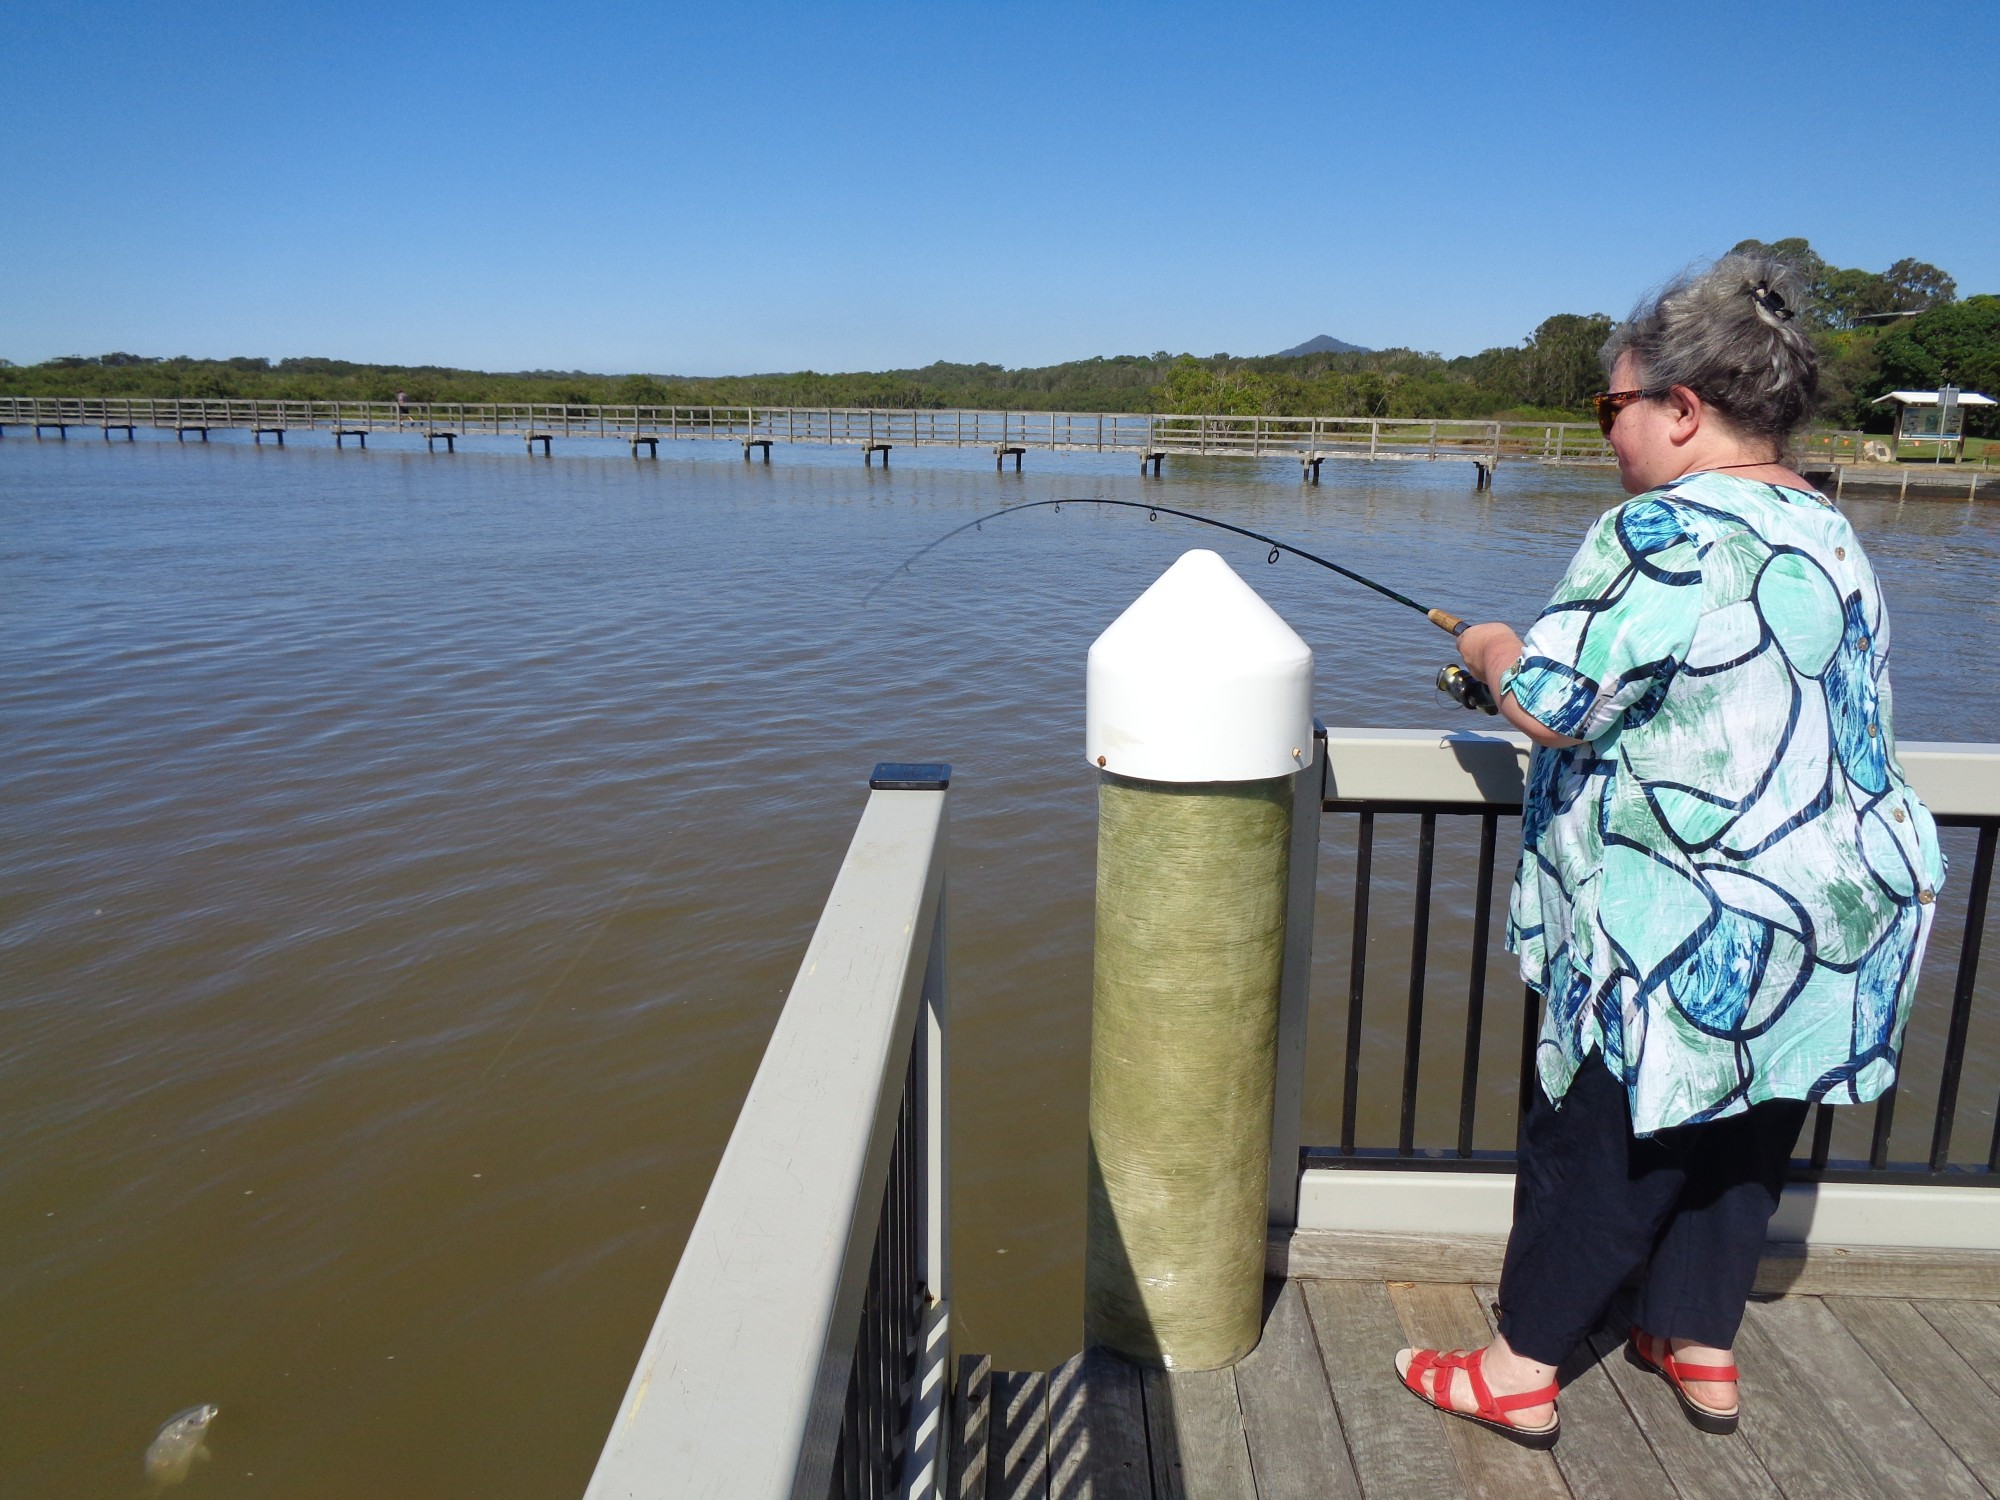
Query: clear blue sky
(722, 188)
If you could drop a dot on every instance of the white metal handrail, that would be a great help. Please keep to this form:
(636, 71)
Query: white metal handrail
(1448, 766)
(1943, 1202)
(744, 1382)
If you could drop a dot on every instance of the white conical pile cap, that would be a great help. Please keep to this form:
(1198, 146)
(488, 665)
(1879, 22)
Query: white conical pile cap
(1199, 680)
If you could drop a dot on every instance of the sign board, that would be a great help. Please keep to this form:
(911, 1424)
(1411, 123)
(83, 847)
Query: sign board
(1941, 422)
(1919, 424)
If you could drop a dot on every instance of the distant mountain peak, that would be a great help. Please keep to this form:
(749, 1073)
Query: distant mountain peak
(1324, 343)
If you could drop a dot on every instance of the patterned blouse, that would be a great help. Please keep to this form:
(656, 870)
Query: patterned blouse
(1726, 889)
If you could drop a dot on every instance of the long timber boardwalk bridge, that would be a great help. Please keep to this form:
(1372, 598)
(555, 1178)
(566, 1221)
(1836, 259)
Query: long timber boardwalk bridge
(872, 430)
(1832, 460)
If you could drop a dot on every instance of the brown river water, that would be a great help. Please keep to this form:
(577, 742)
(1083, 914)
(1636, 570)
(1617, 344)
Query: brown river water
(405, 858)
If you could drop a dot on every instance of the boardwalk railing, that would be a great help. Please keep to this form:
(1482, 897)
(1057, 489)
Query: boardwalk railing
(1848, 447)
(804, 1342)
(1381, 438)
(1382, 1171)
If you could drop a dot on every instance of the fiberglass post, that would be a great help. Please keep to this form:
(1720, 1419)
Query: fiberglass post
(1199, 720)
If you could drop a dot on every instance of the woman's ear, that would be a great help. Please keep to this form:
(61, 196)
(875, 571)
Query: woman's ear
(1687, 412)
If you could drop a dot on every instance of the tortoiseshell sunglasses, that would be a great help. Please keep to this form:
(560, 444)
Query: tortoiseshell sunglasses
(1610, 403)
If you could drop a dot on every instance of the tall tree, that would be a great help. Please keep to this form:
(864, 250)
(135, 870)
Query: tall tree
(1959, 342)
(1559, 366)
(1915, 285)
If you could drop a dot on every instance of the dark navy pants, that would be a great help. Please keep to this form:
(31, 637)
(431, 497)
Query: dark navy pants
(1592, 1204)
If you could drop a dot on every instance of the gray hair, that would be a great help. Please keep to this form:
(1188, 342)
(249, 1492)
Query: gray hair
(1729, 334)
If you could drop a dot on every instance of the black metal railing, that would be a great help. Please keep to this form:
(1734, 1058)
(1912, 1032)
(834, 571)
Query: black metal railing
(868, 1463)
(1354, 1149)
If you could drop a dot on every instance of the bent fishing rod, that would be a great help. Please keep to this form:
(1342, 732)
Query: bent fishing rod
(1464, 689)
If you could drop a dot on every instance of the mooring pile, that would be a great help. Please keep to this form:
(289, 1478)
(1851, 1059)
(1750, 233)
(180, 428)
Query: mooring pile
(1198, 719)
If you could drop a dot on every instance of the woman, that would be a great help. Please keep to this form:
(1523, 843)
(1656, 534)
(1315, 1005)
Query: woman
(1725, 882)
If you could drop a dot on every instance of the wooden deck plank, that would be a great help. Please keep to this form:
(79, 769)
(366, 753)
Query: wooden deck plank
(1395, 1445)
(1195, 1424)
(1973, 1330)
(1896, 1271)
(1602, 1455)
(1360, 1255)
(1492, 1468)
(1902, 1272)
(1952, 1397)
(1870, 1414)
(971, 1424)
(1018, 1454)
(1790, 1427)
(1097, 1430)
(1700, 1467)
(1296, 1448)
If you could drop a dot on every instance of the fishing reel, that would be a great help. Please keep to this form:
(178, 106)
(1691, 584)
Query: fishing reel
(1466, 690)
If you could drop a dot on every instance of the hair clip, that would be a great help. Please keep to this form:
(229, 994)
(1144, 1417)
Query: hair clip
(1770, 302)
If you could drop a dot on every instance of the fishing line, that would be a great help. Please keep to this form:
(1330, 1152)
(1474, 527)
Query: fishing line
(1449, 623)
(1465, 689)
(578, 957)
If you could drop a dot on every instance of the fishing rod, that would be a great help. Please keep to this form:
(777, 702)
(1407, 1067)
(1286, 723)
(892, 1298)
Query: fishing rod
(1463, 688)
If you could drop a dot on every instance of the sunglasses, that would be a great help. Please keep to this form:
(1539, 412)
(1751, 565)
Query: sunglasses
(1610, 403)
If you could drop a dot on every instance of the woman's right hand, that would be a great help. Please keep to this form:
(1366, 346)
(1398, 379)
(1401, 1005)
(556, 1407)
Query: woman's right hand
(1489, 650)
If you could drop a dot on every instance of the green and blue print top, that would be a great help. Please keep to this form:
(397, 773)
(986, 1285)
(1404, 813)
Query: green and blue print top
(1727, 887)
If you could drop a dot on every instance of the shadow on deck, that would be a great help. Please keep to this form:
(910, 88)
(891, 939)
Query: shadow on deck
(1842, 1397)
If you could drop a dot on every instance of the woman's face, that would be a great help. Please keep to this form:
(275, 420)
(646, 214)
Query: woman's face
(1642, 435)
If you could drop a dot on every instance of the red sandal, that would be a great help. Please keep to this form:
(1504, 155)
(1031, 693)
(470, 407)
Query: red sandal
(1671, 1370)
(1491, 1411)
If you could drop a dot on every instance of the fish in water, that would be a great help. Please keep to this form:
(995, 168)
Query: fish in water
(179, 1444)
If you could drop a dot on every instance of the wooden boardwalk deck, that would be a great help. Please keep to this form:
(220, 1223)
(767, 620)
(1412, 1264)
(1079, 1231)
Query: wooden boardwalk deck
(1860, 1397)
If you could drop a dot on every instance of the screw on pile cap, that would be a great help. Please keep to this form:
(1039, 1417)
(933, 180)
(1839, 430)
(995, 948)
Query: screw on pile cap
(1199, 680)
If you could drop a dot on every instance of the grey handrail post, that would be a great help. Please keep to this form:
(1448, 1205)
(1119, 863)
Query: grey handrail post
(934, 1059)
(1295, 986)
(929, 1408)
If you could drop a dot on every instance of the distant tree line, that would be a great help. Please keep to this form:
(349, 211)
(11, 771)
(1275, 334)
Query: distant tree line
(1877, 331)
